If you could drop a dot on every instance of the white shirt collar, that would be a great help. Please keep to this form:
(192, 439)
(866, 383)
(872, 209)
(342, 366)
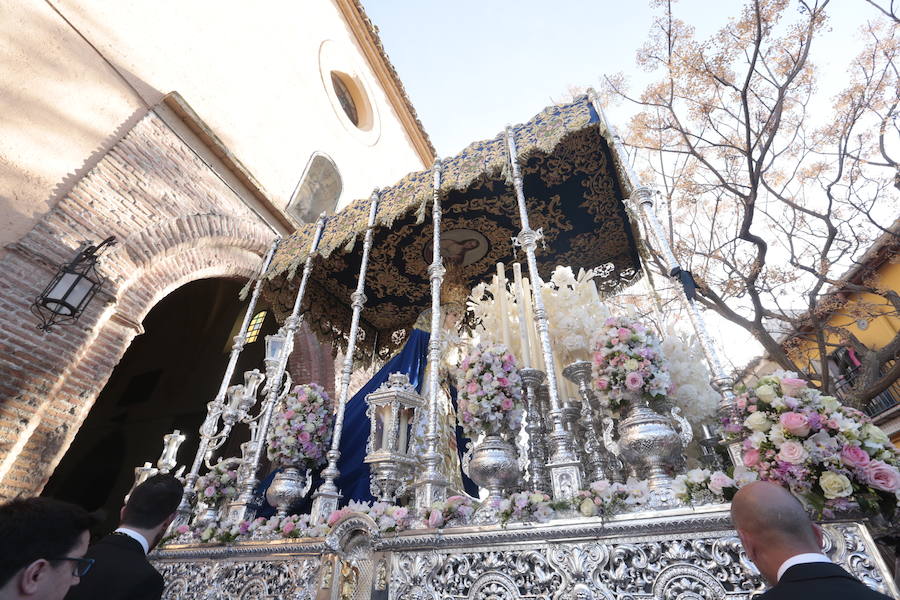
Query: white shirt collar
(801, 559)
(137, 537)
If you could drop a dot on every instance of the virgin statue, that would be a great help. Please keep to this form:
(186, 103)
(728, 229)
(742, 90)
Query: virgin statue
(412, 360)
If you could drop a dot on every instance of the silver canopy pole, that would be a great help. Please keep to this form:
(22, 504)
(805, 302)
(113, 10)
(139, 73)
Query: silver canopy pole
(325, 500)
(240, 508)
(642, 199)
(564, 466)
(432, 486)
(209, 428)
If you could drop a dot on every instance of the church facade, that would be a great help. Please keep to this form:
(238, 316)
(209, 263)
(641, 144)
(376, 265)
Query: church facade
(196, 138)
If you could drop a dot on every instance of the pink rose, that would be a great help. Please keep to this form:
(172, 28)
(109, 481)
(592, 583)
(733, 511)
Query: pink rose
(792, 386)
(795, 424)
(883, 476)
(289, 414)
(472, 387)
(182, 529)
(288, 527)
(634, 381)
(792, 452)
(303, 436)
(209, 492)
(503, 381)
(751, 457)
(435, 519)
(506, 404)
(854, 456)
(741, 403)
(602, 383)
(624, 333)
(718, 481)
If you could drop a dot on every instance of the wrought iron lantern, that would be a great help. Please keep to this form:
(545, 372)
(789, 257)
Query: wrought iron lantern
(391, 410)
(72, 288)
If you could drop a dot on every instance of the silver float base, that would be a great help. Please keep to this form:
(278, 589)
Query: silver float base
(677, 553)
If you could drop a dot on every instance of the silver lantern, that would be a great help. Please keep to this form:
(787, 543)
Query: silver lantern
(390, 412)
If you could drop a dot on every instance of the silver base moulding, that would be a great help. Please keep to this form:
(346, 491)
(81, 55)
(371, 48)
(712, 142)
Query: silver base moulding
(676, 553)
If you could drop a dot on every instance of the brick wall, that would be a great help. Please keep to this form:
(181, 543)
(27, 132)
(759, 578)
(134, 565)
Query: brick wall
(175, 222)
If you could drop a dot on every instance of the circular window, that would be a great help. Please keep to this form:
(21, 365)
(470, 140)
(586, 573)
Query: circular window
(345, 98)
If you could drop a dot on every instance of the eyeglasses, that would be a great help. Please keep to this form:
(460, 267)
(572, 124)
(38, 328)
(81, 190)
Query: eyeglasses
(82, 565)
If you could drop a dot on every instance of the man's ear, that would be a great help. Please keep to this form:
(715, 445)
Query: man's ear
(122, 514)
(31, 575)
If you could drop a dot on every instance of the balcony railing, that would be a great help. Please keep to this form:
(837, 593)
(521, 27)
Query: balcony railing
(884, 401)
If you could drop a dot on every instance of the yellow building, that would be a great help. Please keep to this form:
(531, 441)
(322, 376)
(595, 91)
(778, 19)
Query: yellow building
(868, 317)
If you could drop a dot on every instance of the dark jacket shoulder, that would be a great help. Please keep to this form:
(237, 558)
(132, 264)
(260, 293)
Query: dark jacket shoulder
(121, 571)
(822, 581)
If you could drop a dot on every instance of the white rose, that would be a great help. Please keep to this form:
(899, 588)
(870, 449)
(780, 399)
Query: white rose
(829, 403)
(679, 487)
(766, 393)
(874, 436)
(697, 475)
(718, 481)
(743, 476)
(631, 364)
(835, 485)
(776, 434)
(757, 439)
(757, 422)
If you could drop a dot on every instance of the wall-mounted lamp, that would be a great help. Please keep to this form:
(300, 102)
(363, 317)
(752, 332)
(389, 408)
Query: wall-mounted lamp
(72, 288)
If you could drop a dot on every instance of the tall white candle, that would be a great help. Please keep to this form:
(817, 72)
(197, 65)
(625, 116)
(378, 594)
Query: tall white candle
(537, 356)
(501, 301)
(519, 289)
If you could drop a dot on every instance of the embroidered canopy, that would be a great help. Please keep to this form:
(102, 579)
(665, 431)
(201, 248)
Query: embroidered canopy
(574, 187)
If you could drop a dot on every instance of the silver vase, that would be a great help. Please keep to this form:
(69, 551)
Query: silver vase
(649, 444)
(287, 487)
(494, 466)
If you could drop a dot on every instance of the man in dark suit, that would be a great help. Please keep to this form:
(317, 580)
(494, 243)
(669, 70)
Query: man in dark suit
(121, 570)
(42, 546)
(786, 547)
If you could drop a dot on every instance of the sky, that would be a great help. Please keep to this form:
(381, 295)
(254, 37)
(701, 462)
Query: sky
(472, 66)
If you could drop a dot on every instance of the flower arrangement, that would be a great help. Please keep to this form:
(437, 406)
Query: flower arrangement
(455, 509)
(702, 486)
(602, 499)
(301, 428)
(827, 454)
(219, 484)
(574, 310)
(490, 392)
(531, 506)
(627, 358)
(690, 377)
(291, 526)
(388, 517)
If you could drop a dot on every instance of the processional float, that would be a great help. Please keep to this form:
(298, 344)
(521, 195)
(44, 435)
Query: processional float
(555, 191)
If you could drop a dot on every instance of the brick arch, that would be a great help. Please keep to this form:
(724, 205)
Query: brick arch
(52, 426)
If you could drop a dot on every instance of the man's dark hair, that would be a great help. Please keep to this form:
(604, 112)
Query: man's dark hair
(35, 528)
(153, 501)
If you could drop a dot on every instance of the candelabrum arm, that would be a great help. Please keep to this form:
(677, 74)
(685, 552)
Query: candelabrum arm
(214, 409)
(239, 509)
(563, 463)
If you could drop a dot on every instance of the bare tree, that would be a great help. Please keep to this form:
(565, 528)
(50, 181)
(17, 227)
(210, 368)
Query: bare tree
(769, 205)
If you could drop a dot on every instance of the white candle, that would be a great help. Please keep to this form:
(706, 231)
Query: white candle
(519, 289)
(501, 301)
(537, 356)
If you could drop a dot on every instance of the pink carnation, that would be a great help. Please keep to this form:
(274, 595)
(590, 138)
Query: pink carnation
(602, 383)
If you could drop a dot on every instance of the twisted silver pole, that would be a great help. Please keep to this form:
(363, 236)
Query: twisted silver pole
(325, 500)
(432, 485)
(642, 198)
(241, 507)
(564, 466)
(214, 409)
